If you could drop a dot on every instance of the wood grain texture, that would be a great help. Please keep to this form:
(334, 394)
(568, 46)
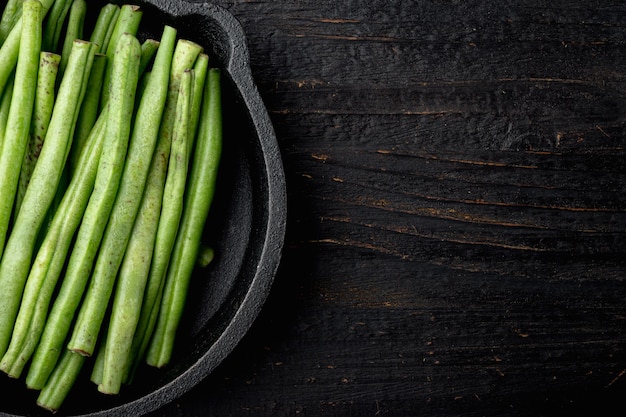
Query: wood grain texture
(457, 222)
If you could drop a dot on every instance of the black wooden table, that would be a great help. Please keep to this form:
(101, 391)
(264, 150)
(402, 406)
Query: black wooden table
(457, 212)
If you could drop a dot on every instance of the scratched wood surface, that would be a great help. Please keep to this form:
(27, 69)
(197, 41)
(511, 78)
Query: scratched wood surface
(457, 211)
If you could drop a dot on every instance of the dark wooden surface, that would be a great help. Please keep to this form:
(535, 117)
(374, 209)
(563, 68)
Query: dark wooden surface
(457, 212)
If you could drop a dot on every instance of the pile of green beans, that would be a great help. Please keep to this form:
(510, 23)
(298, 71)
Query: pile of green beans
(109, 152)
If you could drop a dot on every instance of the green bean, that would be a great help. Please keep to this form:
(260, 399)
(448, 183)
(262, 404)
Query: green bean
(9, 50)
(42, 111)
(53, 25)
(5, 105)
(20, 113)
(198, 198)
(18, 126)
(130, 288)
(43, 185)
(74, 30)
(127, 22)
(153, 289)
(52, 256)
(148, 50)
(200, 74)
(89, 110)
(98, 363)
(11, 13)
(49, 262)
(61, 381)
(154, 285)
(125, 77)
(104, 26)
(125, 209)
(117, 131)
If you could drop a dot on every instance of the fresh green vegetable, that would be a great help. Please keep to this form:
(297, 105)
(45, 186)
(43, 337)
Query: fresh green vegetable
(117, 234)
(129, 294)
(9, 50)
(125, 76)
(61, 381)
(154, 286)
(42, 112)
(102, 226)
(14, 146)
(198, 199)
(53, 25)
(74, 30)
(47, 266)
(148, 49)
(11, 13)
(128, 22)
(89, 110)
(52, 257)
(103, 28)
(41, 190)
(18, 121)
(5, 105)
(205, 256)
(200, 75)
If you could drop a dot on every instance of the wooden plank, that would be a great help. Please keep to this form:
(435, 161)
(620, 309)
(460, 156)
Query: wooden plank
(457, 220)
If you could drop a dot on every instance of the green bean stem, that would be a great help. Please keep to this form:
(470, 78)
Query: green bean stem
(200, 74)
(61, 381)
(42, 111)
(74, 30)
(148, 50)
(127, 22)
(198, 198)
(103, 28)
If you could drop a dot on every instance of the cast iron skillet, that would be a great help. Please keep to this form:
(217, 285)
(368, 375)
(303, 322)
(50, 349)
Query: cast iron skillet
(246, 227)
